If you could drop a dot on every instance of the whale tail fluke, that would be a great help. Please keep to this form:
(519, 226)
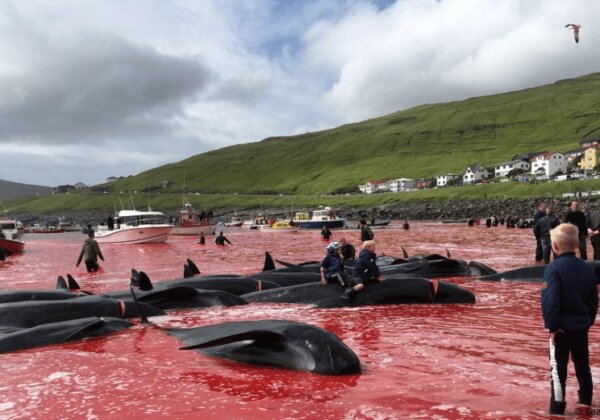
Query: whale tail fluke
(61, 283)
(404, 253)
(269, 263)
(193, 267)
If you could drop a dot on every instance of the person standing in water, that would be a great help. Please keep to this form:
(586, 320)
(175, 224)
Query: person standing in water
(569, 308)
(326, 233)
(90, 253)
(202, 239)
(221, 239)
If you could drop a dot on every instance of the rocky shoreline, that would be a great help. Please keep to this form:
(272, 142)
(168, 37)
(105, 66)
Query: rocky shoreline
(450, 210)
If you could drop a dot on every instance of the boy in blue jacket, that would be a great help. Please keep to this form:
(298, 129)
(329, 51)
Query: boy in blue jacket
(569, 307)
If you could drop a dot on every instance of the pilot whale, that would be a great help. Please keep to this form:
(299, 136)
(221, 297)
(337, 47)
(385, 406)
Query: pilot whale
(60, 332)
(288, 344)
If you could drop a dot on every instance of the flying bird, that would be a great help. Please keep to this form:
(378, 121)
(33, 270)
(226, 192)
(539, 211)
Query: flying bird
(575, 28)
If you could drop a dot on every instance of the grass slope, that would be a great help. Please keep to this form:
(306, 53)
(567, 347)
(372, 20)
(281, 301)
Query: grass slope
(420, 142)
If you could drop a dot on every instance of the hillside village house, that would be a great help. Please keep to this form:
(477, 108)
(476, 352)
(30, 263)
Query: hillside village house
(423, 183)
(402, 184)
(371, 187)
(573, 155)
(590, 160)
(548, 164)
(443, 180)
(591, 142)
(503, 169)
(475, 173)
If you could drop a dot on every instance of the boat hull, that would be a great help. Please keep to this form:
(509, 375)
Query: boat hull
(135, 235)
(14, 247)
(310, 224)
(234, 224)
(194, 230)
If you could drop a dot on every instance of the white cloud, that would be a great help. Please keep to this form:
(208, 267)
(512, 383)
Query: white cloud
(156, 82)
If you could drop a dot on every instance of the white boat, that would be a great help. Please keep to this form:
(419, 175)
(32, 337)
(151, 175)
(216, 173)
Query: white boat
(323, 216)
(10, 236)
(235, 222)
(189, 222)
(135, 227)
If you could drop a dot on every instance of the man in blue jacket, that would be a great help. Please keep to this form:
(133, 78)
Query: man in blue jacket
(569, 307)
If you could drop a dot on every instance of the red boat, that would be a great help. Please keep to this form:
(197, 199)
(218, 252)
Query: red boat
(9, 234)
(14, 247)
(47, 229)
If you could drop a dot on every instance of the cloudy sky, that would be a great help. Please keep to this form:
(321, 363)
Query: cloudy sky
(97, 88)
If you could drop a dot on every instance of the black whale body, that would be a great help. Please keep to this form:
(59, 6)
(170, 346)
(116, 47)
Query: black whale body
(27, 314)
(534, 273)
(60, 332)
(177, 297)
(287, 344)
(7, 296)
(393, 290)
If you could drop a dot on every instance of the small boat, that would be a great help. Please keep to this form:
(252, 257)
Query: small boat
(190, 222)
(380, 223)
(278, 226)
(235, 222)
(323, 216)
(37, 228)
(135, 227)
(9, 236)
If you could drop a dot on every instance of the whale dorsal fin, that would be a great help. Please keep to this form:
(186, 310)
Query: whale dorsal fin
(269, 263)
(193, 267)
(61, 283)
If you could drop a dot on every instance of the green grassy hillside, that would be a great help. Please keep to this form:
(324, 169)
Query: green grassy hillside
(106, 203)
(420, 142)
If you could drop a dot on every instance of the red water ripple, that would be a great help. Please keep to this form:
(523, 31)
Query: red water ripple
(420, 361)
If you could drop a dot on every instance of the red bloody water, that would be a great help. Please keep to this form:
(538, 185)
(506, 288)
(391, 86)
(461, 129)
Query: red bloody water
(444, 361)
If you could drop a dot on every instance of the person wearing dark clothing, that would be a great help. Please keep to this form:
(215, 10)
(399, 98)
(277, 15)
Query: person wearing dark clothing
(541, 212)
(365, 270)
(542, 230)
(202, 239)
(569, 307)
(326, 233)
(110, 223)
(406, 226)
(366, 234)
(577, 217)
(594, 232)
(221, 239)
(488, 222)
(90, 253)
(347, 251)
(332, 267)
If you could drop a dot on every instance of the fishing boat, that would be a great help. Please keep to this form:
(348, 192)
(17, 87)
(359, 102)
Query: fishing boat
(9, 236)
(323, 216)
(190, 222)
(278, 226)
(38, 228)
(235, 222)
(135, 227)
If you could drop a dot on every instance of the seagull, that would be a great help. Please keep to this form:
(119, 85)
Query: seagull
(575, 28)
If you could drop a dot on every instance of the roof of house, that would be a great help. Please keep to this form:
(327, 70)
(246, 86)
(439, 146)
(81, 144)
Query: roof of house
(512, 162)
(378, 181)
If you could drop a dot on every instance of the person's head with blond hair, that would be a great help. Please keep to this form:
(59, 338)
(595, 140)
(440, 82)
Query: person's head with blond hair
(369, 245)
(565, 238)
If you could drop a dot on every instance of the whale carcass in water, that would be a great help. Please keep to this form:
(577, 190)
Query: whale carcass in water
(534, 273)
(60, 332)
(393, 290)
(287, 344)
(27, 314)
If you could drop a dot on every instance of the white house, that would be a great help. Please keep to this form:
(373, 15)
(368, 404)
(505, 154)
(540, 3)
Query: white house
(402, 184)
(503, 169)
(373, 186)
(443, 180)
(548, 164)
(475, 173)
